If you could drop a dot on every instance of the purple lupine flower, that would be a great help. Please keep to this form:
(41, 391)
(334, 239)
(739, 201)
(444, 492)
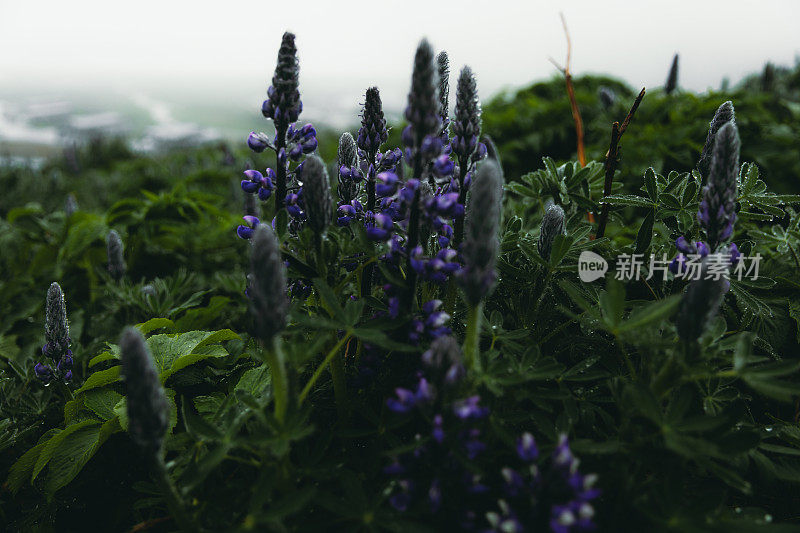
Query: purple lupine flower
(526, 448)
(552, 225)
(300, 141)
(717, 212)
(263, 184)
(697, 249)
(470, 408)
(346, 213)
(723, 115)
(406, 399)
(269, 305)
(477, 277)
(147, 405)
(258, 142)
(387, 184)
(423, 110)
(57, 341)
(246, 230)
(283, 103)
(467, 119)
(378, 226)
(114, 250)
(373, 132)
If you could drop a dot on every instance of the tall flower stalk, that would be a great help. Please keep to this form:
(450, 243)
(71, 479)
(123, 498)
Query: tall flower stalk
(481, 246)
(57, 342)
(725, 113)
(464, 144)
(423, 144)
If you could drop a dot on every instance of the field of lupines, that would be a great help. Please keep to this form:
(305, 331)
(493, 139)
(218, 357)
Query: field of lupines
(397, 338)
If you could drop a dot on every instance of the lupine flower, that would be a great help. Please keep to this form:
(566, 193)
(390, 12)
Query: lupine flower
(372, 133)
(700, 304)
(347, 212)
(56, 327)
(724, 114)
(607, 97)
(147, 405)
(481, 244)
(717, 212)
(526, 448)
(70, 205)
(245, 231)
(432, 323)
(421, 136)
(378, 226)
(444, 357)
(269, 305)
(258, 142)
(116, 262)
(686, 249)
(672, 78)
(283, 105)
(443, 68)
(263, 184)
(467, 118)
(317, 194)
(552, 225)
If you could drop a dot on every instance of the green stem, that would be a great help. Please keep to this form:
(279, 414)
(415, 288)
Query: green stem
(321, 367)
(627, 357)
(173, 499)
(65, 391)
(280, 385)
(340, 385)
(472, 337)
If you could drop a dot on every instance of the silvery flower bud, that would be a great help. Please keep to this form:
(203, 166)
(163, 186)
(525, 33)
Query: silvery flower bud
(672, 78)
(481, 244)
(317, 194)
(553, 223)
(717, 212)
(116, 261)
(724, 114)
(269, 305)
(56, 327)
(147, 404)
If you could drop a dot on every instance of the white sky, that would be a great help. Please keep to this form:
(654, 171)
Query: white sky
(344, 46)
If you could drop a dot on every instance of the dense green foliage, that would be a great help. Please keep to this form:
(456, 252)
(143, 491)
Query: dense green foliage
(681, 441)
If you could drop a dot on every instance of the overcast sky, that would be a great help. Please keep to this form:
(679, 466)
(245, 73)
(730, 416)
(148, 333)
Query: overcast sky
(230, 46)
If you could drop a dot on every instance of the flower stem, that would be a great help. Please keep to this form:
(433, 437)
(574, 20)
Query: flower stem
(472, 337)
(173, 499)
(321, 367)
(280, 386)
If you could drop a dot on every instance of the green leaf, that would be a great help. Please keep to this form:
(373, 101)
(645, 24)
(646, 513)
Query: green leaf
(154, 324)
(650, 313)
(645, 234)
(650, 184)
(73, 452)
(198, 426)
(612, 302)
(627, 199)
(102, 402)
(54, 443)
(100, 379)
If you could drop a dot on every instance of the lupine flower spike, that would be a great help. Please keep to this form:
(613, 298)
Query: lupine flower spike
(348, 169)
(552, 225)
(724, 114)
(116, 261)
(443, 67)
(717, 212)
(672, 78)
(56, 334)
(317, 191)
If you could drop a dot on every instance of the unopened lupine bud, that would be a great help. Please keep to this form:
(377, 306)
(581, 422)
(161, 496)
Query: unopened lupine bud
(283, 104)
(552, 225)
(467, 117)
(147, 405)
(443, 67)
(56, 327)
(700, 304)
(372, 133)
(422, 112)
(346, 164)
(481, 244)
(269, 305)
(672, 78)
(607, 97)
(116, 261)
(724, 114)
(317, 194)
(717, 212)
(70, 205)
